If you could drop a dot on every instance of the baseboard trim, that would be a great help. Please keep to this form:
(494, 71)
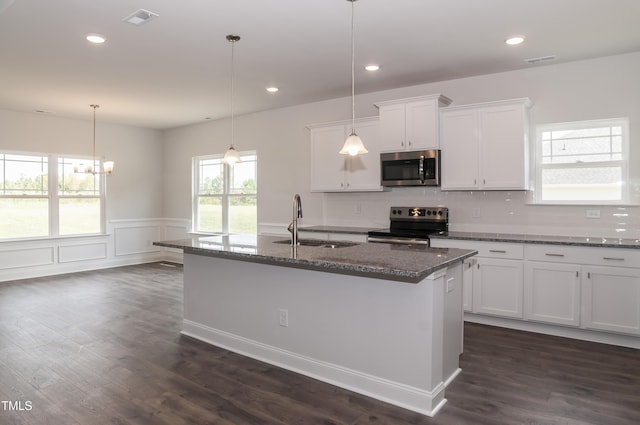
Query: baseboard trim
(411, 398)
(629, 341)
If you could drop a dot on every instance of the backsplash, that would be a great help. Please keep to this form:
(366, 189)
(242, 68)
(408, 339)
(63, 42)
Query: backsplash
(485, 211)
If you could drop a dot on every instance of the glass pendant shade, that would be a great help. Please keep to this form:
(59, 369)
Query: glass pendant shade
(231, 156)
(108, 167)
(353, 146)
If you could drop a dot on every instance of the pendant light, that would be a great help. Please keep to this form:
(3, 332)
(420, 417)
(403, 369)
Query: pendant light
(107, 166)
(232, 156)
(353, 145)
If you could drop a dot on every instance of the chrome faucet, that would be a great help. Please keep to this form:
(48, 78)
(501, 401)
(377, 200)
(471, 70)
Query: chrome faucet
(297, 213)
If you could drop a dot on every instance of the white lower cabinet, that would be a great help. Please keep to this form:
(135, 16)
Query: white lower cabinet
(552, 293)
(611, 299)
(497, 287)
(468, 267)
(492, 280)
(590, 288)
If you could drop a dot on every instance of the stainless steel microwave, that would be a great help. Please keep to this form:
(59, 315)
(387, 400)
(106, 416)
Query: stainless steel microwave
(415, 168)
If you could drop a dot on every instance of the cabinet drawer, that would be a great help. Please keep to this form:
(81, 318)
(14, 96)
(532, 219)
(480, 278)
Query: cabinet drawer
(514, 251)
(618, 257)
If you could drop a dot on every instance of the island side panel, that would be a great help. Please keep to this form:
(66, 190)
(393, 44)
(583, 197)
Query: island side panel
(378, 337)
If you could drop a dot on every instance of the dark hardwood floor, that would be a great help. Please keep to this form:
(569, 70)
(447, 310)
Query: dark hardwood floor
(104, 347)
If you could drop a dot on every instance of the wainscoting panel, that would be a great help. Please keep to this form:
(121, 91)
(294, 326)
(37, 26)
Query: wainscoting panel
(127, 242)
(82, 252)
(137, 240)
(26, 257)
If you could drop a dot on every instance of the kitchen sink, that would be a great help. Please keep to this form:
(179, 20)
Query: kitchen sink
(319, 243)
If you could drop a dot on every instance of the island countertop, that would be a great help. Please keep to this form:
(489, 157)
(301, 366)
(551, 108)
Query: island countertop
(404, 263)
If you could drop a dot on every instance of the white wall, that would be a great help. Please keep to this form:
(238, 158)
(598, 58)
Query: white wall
(134, 189)
(135, 192)
(601, 88)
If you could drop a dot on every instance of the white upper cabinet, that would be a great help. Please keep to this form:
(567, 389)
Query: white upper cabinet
(411, 124)
(333, 172)
(485, 146)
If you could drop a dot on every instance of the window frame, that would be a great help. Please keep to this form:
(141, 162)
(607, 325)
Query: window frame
(226, 194)
(53, 197)
(622, 163)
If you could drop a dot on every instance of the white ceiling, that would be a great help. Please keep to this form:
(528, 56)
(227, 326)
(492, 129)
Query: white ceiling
(175, 69)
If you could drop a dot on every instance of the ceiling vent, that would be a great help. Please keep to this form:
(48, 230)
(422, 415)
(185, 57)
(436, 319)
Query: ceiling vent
(541, 59)
(140, 17)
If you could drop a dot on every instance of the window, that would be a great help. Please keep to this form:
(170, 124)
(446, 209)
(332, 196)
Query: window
(583, 162)
(79, 200)
(40, 200)
(24, 196)
(225, 197)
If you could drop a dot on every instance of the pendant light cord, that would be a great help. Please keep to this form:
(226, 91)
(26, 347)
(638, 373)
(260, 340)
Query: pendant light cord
(233, 42)
(94, 135)
(353, 72)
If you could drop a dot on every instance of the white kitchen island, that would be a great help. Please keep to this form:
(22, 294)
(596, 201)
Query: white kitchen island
(378, 319)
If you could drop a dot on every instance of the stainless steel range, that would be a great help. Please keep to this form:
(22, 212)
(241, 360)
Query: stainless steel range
(413, 225)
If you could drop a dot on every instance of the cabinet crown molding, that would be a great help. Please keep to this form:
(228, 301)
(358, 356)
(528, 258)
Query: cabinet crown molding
(442, 99)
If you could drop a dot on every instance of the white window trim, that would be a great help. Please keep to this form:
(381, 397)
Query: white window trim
(538, 167)
(53, 197)
(225, 196)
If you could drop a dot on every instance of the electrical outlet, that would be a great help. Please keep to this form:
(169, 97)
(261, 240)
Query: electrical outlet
(475, 213)
(593, 213)
(358, 209)
(283, 317)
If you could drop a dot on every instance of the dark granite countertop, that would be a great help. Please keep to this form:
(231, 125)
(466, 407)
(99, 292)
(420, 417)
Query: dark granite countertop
(404, 263)
(543, 239)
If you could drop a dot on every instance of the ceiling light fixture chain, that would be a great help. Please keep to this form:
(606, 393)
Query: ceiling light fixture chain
(107, 166)
(353, 144)
(232, 156)
(94, 135)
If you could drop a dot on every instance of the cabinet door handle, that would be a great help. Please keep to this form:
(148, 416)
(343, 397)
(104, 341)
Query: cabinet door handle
(498, 251)
(613, 258)
(409, 143)
(402, 143)
(577, 274)
(553, 255)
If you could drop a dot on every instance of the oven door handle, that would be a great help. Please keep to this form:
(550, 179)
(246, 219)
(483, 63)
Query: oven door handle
(421, 170)
(403, 241)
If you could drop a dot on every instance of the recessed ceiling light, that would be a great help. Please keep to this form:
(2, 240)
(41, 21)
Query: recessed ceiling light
(96, 38)
(372, 67)
(515, 40)
(272, 89)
